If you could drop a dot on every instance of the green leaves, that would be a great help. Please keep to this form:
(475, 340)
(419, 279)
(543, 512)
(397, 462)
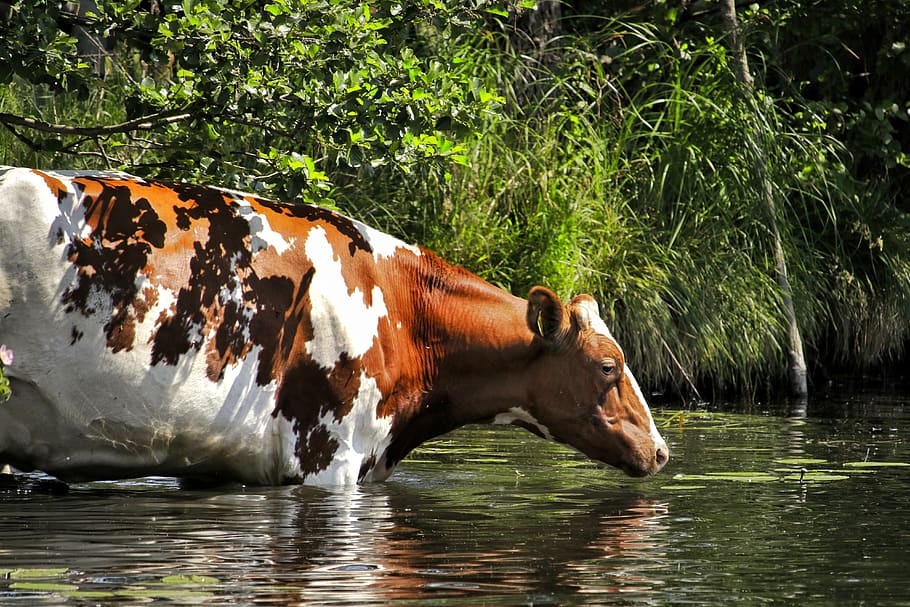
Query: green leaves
(33, 46)
(63, 582)
(348, 85)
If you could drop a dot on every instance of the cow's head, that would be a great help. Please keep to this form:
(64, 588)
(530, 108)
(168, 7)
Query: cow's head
(581, 392)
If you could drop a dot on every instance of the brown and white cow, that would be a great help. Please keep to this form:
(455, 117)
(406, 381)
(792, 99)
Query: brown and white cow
(172, 329)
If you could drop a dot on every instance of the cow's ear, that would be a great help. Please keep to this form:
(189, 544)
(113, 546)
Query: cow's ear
(547, 316)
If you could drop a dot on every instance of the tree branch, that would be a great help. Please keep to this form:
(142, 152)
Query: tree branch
(145, 123)
(28, 142)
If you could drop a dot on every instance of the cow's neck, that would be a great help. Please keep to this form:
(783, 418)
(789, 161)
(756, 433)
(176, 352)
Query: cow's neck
(477, 348)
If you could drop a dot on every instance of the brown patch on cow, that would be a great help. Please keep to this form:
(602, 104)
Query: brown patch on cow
(316, 450)
(218, 265)
(121, 333)
(111, 257)
(279, 322)
(309, 392)
(142, 305)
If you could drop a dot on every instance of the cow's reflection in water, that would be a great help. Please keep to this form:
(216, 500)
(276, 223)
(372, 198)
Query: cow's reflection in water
(377, 544)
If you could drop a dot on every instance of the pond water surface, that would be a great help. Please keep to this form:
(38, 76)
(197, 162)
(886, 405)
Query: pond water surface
(495, 516)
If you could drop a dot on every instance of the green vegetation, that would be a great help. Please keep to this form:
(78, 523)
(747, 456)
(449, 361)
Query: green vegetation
(615, 155)
(60, 582)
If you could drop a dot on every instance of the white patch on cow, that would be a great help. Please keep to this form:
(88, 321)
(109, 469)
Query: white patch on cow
(382, 244)
(27, 207)
(599, 326)
(246, 411)
(655, 433)
(70, 223)
(262, 236)
(360, 435)
(518, 414)
(342, 321)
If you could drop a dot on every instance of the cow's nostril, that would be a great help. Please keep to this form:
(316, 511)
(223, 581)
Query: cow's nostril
(663, 455)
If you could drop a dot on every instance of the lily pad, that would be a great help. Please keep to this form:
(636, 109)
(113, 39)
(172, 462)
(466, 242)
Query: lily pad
(745, 477)
(742, 477)
(683, 487)
(43, 586)
(816, 477)
(189, 580)
(876, 465)
(21, 574)
(800, 461)
(89, 594)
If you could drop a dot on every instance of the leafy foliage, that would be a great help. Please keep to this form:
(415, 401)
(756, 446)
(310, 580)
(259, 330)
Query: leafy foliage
(258, 94)
(631, 174)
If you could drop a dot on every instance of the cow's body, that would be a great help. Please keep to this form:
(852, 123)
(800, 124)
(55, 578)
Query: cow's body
(179, 330)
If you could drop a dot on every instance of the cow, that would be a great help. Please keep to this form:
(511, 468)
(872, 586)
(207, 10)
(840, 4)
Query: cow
(202, 333)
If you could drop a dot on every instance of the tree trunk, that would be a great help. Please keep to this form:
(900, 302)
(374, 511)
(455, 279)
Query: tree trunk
(797, 370)
(533, 30)
(531, 36)
(89, 47)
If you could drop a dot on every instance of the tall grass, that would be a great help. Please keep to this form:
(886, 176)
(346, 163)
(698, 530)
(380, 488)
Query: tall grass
(627, 169)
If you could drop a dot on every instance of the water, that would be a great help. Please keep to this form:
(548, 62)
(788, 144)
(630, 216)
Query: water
(495, 516)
